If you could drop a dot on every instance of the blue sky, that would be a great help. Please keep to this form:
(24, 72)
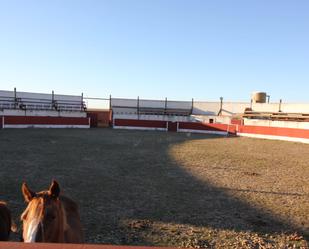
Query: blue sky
(157, 49)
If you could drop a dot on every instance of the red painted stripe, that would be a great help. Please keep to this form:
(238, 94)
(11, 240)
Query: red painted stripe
(237, 121)
(207, 127)
(38, 120)
(140, 123)
(18, 245)
(274, 131)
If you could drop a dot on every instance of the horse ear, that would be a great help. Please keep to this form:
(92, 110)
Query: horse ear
(54, 189)
(27, 193)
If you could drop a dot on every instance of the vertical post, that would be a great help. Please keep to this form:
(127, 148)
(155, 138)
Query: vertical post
(221, 105)
(280, 103)
(110, 102)
(53, 99)
(137, 107)
(111, 122)
(192, 105)
(82, 103)
(268, 98)
(15, 98)
(165, 106)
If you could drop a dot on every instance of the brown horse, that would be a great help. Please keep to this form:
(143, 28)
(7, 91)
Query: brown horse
(50, 217)
(6, 224)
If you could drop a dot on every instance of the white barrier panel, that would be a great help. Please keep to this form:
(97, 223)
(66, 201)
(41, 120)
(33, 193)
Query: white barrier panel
(272, 137)
(154, 117)
(276, 123)
(43, 96)
(151, 103)
(8, 94)
(124, 102)
(46, 113)
(230, 108)
(206, 108)
(187, 105)
(297, 108)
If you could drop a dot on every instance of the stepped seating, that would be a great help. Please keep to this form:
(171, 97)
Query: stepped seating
(283, 116)
(41, 104)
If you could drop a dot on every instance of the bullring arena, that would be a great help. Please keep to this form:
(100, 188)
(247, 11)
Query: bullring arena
(140, 185)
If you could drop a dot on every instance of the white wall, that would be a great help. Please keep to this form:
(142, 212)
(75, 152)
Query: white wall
(230, 108)
(6, 94)
(124, 102)
(45, 96)
(215, 119)
(154, 117)
(152, 103)
(144, 103)
(206, 108)
(187, 105)
(8, 112)
(270, 123)
(295, 108)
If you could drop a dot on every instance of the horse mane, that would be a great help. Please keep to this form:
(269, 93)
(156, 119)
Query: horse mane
(65, 220)
(69, 204)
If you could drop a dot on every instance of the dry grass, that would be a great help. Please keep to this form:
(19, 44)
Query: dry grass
(155, 188)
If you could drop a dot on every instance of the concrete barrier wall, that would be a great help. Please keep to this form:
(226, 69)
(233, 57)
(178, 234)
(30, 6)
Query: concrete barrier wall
(187, 105)
(258, 131)
(152, 103)
(192, 118)
(274, 133)
(206, 108)
(275, 123)
(130, 106)
(8, 94)
(123, 102)
(47, 113)
(295, 108)
(231, 108)
(153, 117)
(194, 127)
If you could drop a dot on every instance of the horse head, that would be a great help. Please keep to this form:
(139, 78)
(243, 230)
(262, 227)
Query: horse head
(43, 219)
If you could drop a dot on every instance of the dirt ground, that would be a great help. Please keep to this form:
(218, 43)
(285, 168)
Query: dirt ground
(166, 189)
